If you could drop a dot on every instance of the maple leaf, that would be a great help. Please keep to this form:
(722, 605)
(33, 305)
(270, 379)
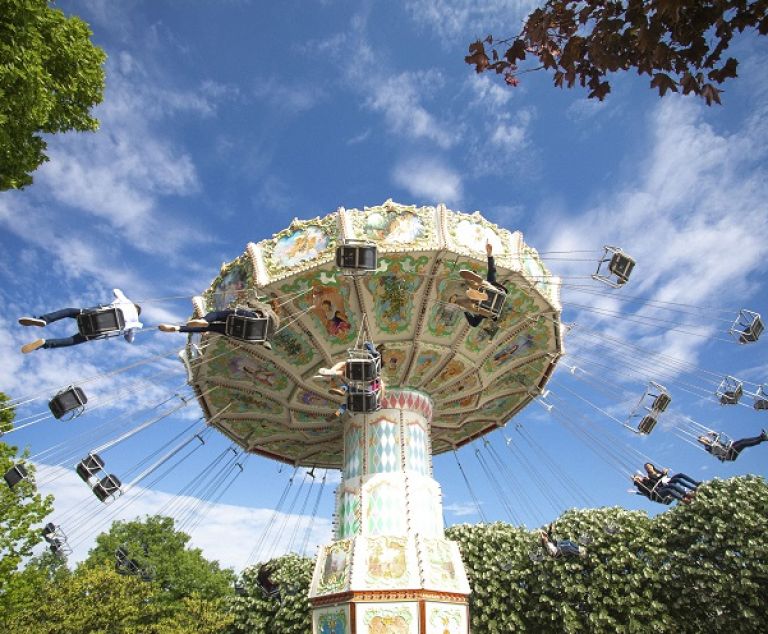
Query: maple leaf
(663, 82)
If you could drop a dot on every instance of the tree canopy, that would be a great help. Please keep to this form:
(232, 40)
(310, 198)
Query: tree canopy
(679, 44)
(22, 508)
(51, 75)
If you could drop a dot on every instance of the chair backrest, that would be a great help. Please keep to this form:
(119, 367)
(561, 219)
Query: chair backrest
(357, 256)
(362, 401)
(252, 329)
(362, 369)
(647, 424)
(69, 400)
(661, 402)
(15, 474)
(108, 486)
(621, 266)
(495, 301)
(100, 322)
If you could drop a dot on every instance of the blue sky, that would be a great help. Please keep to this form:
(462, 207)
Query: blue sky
(224, 121)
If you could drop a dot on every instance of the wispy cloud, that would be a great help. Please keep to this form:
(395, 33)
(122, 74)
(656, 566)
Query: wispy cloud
(243, 526)
(449, 19)
(687, 216)
(461, 509)
(429, 180)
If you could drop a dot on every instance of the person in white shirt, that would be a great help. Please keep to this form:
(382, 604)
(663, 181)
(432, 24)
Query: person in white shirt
(127, 308)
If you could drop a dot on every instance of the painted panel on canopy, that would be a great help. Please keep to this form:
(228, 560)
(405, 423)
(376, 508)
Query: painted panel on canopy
(231, 285)
(324, 298)
(242, 403)
(241, 367)
(397, 225)
(494, 408)
(534, 338)
(452, 370)
(468, 401)
(393, 363)
(427, 359)
(393, 291)
(293, 346)
(296, 247)
(448, 421)
(467, 384)
(471, 232)
(313, 398)
(527, 375)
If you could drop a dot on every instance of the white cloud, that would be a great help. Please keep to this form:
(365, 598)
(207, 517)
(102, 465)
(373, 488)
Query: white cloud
(429, 180)
(82, 518)
(688, 216)
(452, 19)
(398, 98)
(461, 509)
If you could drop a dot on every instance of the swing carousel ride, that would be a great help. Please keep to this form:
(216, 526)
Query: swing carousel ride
(385, 295)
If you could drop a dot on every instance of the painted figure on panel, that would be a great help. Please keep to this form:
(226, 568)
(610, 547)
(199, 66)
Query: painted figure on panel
(386, 558)
(388, 625)
(300, 246)
(328, 306)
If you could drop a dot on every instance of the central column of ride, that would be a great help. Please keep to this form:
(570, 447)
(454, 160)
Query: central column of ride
(389, 569)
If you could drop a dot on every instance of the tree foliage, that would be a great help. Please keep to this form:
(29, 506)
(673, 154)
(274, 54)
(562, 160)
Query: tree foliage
(22, 508)
(679, 44)
(255, 613)
(696, 568)
(51, 75)
(179, 571)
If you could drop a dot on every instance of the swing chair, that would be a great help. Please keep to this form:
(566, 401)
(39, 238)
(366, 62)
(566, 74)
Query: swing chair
(108, 489)
(654, 401)
(761, 398)
(720, 445)
(248, 329)
(747, 327)
(730, 391)
(619, 266)
(70, 400)
(97, 323)
(57, 540)
(15, 474)
(492, 306)
(356, 257)
(89, 466)
(363, 373)
(264, 582)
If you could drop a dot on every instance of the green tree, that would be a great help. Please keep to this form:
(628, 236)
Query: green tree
(22, 508)
(715, 563)
(51, 75)
(179, 571)
(679, 44)
(254, 613)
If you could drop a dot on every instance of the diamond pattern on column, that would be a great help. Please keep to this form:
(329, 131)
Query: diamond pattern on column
(348, 520)
(383, 447)
(352, 457)
(417, 450)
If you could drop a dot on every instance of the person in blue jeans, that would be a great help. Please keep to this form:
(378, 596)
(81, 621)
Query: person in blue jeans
(728, 452)
(562, 547)
(129, 310)
(680, 480)
(216, 321)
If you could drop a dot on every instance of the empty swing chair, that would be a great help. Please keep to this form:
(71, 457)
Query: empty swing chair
(761, 398)
(89, 466)
(15, 474)
(747, 327)
(57, 540)
(108, 488)
(96, 323)
(70, 400)
(619, 267)
(357, 257)
(730, 391)
(654, 401)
